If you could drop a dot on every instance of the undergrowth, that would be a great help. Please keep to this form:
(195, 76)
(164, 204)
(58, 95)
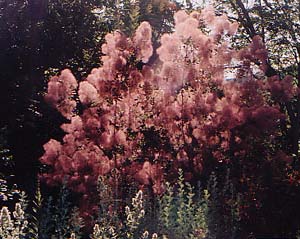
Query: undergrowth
(182, 212)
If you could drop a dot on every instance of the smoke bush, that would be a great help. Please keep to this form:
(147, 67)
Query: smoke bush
(146, 122)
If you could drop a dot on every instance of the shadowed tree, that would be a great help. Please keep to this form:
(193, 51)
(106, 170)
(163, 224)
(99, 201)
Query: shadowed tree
(36, 36)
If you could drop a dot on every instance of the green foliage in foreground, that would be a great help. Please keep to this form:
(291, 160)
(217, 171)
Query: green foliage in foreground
(180, 215)
(182, 212)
